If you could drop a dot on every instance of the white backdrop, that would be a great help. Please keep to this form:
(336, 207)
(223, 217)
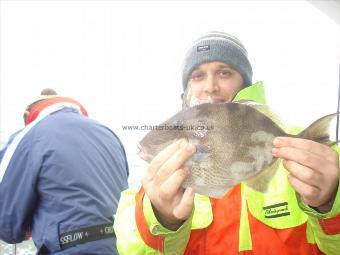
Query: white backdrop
(122, 59)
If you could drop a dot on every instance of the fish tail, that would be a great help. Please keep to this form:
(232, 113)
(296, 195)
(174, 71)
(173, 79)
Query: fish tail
(318, 131)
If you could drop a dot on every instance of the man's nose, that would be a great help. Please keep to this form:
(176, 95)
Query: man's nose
(211, 85)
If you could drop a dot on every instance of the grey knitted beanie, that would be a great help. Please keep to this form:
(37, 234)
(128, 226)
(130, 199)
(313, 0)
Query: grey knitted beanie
(217, 46)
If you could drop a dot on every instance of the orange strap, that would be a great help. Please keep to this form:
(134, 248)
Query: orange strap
(155, 242)
(331, 226)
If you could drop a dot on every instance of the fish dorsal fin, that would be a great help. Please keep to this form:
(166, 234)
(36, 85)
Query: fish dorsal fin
(264, 109)
(318, 131)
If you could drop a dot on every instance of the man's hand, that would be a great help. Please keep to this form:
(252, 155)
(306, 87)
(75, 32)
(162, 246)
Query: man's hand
(313, 168)
(172, 204)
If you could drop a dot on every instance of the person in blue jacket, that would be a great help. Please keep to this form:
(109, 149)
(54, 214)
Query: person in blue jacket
(60, 180)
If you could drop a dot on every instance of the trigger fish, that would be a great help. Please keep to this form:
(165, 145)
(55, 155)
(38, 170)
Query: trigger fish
(233, 142)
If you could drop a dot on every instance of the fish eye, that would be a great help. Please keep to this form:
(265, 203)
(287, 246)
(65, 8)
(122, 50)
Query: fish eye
(200, 148)
(177, 124)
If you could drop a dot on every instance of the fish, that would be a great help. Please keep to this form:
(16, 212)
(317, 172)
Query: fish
(233, 143)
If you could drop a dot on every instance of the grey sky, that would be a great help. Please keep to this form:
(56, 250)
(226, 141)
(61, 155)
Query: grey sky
(122, 59)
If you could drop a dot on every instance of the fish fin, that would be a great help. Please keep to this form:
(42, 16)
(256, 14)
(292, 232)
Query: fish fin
(261, 181)
(264, 109)
(318, 131)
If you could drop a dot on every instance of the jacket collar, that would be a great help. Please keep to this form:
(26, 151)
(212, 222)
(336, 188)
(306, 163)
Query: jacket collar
(61, 101)
(254, 92)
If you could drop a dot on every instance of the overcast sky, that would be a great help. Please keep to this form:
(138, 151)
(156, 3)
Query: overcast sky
(123, 59)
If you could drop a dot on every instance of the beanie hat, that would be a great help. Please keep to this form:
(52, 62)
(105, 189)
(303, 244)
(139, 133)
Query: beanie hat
(217, 46)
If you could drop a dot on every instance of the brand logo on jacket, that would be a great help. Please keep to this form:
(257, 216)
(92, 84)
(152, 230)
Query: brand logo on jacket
(276, 210)
(73, 237)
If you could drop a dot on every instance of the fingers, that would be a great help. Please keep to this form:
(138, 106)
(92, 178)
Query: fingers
(174, 162)
(163, 184)
(313, 168)
(172, 185)
(307, 192)
(307, 145)
(305, 158)
(163, 156)
(304, 174)
(186, 204)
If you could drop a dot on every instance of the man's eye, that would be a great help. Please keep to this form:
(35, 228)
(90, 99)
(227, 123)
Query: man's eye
(225, 73)
(197, 76)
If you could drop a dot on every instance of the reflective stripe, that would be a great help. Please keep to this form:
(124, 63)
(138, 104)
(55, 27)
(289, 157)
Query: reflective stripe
(245, 242)
(310, 233)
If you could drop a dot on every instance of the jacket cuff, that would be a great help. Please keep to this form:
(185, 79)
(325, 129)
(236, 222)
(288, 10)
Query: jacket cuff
(156, 227)
(154, 234)
(330, 221)
(176, 241)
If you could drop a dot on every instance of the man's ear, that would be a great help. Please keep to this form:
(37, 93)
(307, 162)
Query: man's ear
(25, 115)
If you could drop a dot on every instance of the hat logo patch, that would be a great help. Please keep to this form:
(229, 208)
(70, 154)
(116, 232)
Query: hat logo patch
(203, 48)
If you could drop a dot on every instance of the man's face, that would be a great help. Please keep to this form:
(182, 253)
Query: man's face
(215, 80)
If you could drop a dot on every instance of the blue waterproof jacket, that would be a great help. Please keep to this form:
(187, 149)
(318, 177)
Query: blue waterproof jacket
(65, 174)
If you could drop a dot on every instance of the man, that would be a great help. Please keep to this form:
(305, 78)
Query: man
(299, 214)
(61, 179)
